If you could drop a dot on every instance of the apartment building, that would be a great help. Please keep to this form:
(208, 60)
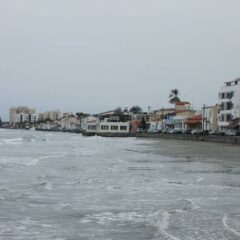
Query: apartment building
(22, 114)
(50, 115)
(229, 103)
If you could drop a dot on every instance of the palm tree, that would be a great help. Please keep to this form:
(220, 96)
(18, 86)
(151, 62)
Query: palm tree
(174, 96)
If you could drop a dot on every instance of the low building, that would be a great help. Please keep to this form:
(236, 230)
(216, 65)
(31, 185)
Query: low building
(113, 127)
(69, 122)
(106, 127)
(195, 122)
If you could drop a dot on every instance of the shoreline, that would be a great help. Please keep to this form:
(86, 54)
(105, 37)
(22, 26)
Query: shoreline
(188, 137)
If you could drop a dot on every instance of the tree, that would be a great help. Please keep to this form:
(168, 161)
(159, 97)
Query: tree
(118, 111)
(143, 124)
(81, 114)
(136, 109)
(174, 96)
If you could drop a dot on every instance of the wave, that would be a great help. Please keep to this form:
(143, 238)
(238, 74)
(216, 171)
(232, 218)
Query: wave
(225, 224)
(12, 141)
(12, 161)
(160, 220)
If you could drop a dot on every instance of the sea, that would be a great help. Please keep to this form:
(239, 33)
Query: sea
(64, 186)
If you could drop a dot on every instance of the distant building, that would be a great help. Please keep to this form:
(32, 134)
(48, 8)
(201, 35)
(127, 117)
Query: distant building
(50, 115)
(183, 113)
(22, 114)
(210, 118)
(229, 103)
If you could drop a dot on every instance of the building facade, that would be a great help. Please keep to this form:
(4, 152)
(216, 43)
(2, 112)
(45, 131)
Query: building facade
(229, 103)
(22, 114)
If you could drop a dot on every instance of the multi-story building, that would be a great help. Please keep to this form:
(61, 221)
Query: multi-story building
(210, 117)
(229, 103)
(22, 114)
(50, 115)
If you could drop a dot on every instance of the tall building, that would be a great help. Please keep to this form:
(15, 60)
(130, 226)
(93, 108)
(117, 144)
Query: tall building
(229, 103)
(50, 115)
(22, 114)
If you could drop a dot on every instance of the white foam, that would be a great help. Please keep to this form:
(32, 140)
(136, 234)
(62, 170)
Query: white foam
(12, 141)
(225, 224)
(160, 219)
(12, 161)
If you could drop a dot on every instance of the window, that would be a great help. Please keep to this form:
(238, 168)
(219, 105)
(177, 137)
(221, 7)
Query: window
(229, 117)
(230, 95)
(123, 128)
(114, 127)
(221, 106)
(104, 127)
(229, 105)
(92, 127)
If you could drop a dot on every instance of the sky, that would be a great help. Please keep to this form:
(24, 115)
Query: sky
(95, 55)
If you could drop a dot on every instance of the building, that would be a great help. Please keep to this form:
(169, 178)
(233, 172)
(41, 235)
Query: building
(50, 115)
(69, 122)
(194, 122)
(21, 115)
(210, 118)
(182, 113)
(229, 103)
(95, 126)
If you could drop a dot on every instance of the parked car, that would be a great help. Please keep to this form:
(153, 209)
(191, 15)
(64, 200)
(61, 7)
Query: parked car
(176, 131)
(232, 133)
(187, 131)
(196, 132)
(221, 133)
(213, 132)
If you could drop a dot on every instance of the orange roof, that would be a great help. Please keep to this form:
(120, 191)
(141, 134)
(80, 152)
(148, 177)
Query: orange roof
(193, 122)
(196, 117)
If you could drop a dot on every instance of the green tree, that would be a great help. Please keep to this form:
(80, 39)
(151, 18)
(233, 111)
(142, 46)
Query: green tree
(143, 123)
(174, 96)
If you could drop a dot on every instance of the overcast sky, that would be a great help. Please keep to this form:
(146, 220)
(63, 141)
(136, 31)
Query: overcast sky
(96, 55)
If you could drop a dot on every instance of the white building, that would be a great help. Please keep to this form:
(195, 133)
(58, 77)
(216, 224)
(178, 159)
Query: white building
(69, 122)
(113, 127)
(107, 127)
(22, 114)
(210, 118)
(229, 103)
(179, 122)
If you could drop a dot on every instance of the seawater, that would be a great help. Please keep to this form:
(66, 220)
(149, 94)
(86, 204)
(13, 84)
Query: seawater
(68, 187)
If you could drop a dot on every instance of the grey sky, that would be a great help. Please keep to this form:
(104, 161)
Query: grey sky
(94, 55)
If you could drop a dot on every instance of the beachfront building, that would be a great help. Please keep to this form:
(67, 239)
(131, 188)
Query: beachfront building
(194, 122)
(107, 126)
(22, 115)
(210, 118)
(89, 123)
(229, 103)
(69, 122)
(113, 127)
(183, 112)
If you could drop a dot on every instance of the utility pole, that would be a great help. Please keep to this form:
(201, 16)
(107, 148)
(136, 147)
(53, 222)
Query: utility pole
(203, 118)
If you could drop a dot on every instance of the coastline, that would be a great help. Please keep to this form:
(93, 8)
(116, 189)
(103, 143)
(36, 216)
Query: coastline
(188, 137)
